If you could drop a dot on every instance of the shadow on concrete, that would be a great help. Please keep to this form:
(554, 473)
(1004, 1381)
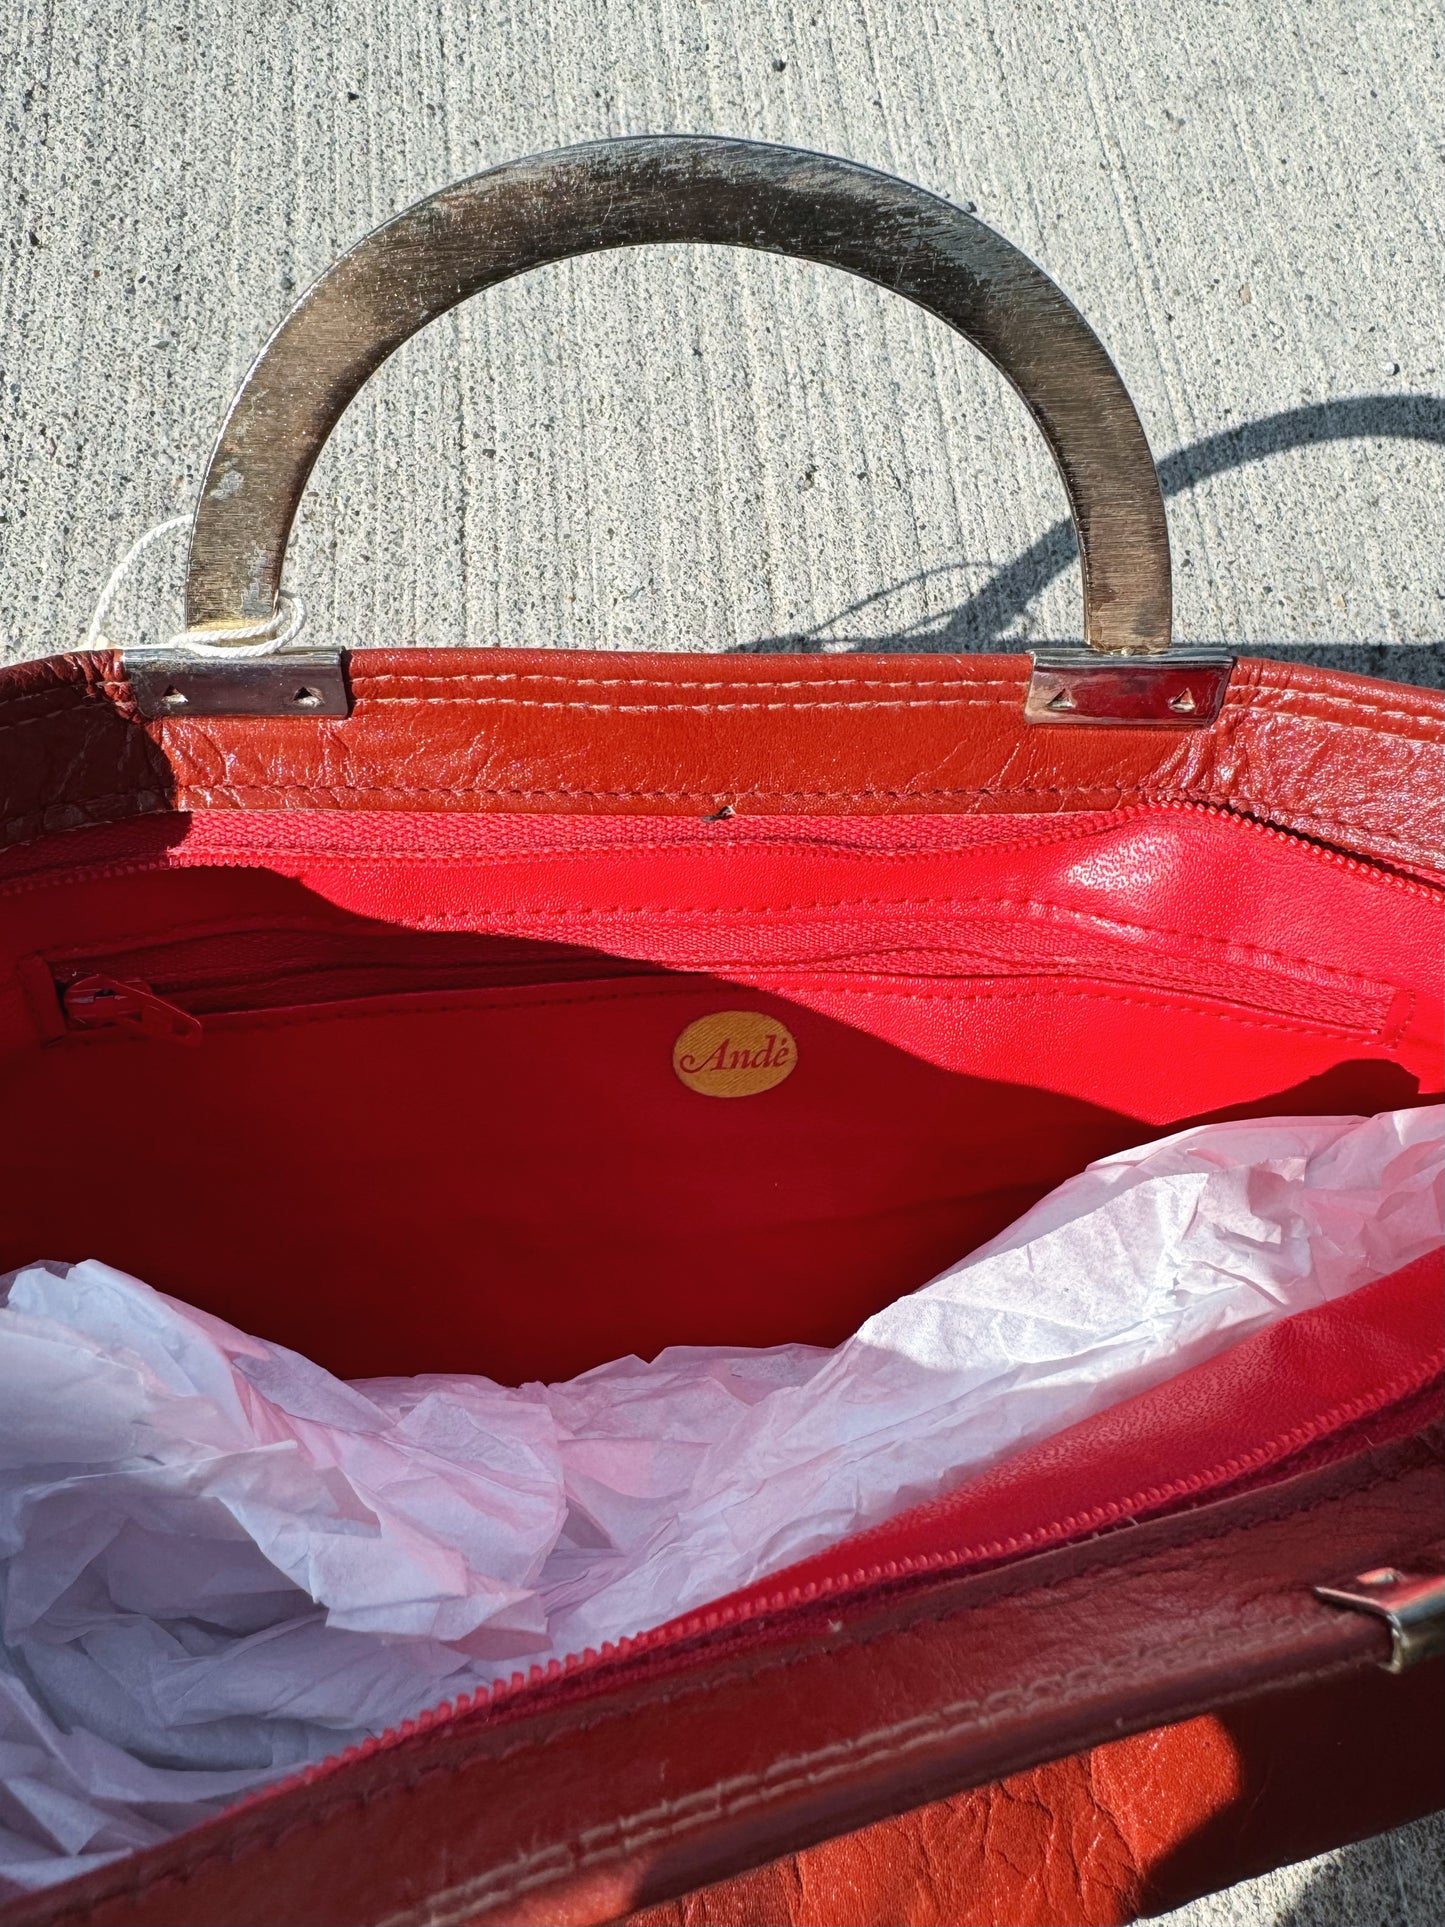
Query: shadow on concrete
(987, 619)
(1394, 1880)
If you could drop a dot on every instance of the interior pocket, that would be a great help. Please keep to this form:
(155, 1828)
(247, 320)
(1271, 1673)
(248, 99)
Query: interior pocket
(239, 969)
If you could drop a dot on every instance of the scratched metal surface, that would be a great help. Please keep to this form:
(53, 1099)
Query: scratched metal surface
(714, 451)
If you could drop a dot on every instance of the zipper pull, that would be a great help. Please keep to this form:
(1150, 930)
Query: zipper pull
(106, 1003)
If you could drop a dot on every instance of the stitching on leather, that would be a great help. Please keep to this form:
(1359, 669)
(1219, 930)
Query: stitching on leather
(1408, 845)
(321, 1814)
(1056, 830)
(74, 696)
(1068, 915)
(808, 974)
(791, 845)
(1342, 980)
(1427, 740)
(746, 1793)
(58, 686)
(678, 709)
(66, 692)
(91, 873)
(362, 1008)
(1175, 999)
(1277, 694)
(175, 857)
(195, 794)
(666, 682)
(9, 724)
(1242, 698)
(199, 930)
(402, 1002)
(868, 703)
(664, 796)
(1047, 1688)
(754, 1790)
(678, 1818)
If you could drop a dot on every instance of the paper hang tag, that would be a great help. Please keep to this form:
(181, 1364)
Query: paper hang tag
(734, 1053)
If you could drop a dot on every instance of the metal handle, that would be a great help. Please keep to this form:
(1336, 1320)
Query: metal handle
(623, 193)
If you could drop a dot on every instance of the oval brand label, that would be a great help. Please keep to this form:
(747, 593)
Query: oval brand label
(734, 1053)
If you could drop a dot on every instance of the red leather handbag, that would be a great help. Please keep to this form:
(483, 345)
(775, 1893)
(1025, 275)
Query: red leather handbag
(440, 916)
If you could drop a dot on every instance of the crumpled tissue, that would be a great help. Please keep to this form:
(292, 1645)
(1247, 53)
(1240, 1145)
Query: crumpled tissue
(218, 1562)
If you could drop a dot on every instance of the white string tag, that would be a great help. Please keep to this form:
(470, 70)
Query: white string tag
(241, 640)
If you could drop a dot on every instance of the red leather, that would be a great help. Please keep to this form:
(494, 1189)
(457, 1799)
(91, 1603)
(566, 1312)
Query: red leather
(577, 1798)
(1351, 762)
(438, 954)
(1137, 1826)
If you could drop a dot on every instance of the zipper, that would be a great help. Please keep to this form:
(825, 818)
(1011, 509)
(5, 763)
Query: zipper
(108, 1003)
(232, 971)
(1380, 869)
(1330, 1436)
(163, 992)
(1395, 877)
(169, 1009)
(1376, 868)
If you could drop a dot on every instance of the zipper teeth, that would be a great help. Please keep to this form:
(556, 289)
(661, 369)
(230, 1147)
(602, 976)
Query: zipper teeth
(257, 973)
(718, 1619)
(320, 984)
(1379, 870)
(322, 978)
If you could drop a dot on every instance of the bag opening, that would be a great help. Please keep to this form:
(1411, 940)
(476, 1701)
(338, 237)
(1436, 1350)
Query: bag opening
(517, 1097)
(428, 1116)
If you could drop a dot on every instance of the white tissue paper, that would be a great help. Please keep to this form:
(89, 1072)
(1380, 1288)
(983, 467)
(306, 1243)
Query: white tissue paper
(217, 1562)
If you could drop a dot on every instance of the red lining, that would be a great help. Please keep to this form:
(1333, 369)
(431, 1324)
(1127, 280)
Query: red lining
(509, 1178)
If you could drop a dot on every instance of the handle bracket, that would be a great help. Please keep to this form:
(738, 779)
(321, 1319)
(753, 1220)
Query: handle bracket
(166, 681)
(1183, 688)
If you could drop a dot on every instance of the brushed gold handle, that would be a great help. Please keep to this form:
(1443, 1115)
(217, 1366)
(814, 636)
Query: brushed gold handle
(625, 193)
